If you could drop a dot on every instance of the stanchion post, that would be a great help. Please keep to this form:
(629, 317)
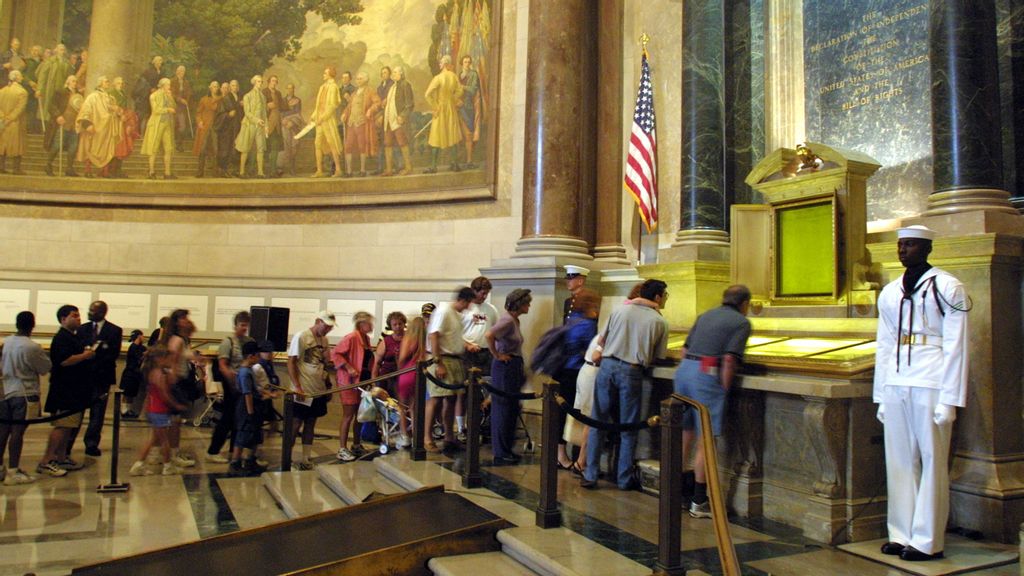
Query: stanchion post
(114, 485)
(419, 451)
(670, 484)
(288, 433)
(471, 474)
(548, 513)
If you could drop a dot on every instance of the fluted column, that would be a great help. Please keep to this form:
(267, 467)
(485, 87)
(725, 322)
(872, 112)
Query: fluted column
(784, 67)
(966, 138)
(703, 200)
(118, 33)
(608, 244)
(554, 143)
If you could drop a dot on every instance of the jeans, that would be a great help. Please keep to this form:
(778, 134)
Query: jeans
(617, 388)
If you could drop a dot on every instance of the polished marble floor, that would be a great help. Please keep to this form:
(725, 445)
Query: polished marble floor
(56, 524)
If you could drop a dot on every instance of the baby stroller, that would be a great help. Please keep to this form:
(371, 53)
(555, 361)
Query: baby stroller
(214, 405)
(384, 412)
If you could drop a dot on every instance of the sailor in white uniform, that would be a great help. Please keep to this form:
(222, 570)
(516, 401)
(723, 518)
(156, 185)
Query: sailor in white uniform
(920, 380)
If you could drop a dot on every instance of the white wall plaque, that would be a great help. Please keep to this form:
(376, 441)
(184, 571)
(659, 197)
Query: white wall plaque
(225, 308)
(12, 301)
(48, 301)
(129, 310)
(302, 313)
(197, 305)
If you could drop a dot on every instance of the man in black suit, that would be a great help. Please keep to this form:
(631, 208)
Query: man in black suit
(105, 337)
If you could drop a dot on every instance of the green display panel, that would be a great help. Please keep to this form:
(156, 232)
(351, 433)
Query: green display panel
(805, 251)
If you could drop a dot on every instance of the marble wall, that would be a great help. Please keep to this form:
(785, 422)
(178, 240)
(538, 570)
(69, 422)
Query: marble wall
(867, 89)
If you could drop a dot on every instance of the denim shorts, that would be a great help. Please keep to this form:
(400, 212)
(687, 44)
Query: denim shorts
(157, 420)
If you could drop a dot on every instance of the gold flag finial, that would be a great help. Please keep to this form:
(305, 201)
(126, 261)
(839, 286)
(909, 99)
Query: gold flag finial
(644, 39)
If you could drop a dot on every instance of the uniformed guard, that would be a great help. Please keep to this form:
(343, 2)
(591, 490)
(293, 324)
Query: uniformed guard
(575, 279)
(920, 380)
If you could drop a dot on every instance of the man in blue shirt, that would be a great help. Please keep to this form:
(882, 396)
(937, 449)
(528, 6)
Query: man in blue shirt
(247, 418)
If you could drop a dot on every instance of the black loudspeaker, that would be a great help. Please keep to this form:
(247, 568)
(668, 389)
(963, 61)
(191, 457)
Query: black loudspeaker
(270, 323)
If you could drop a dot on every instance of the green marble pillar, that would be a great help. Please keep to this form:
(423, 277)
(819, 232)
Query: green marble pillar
(966, 137)
(703, 200)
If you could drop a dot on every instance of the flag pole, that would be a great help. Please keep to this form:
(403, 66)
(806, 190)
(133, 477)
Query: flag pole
(644, 39)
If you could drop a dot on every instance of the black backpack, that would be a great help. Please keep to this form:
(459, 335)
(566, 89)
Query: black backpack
(551, 353)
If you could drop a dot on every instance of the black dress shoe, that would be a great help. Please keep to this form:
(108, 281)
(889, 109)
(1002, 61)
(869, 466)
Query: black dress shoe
(92, 451)
(892, 548)
(911, 554)
(505, 461)
(588, 484)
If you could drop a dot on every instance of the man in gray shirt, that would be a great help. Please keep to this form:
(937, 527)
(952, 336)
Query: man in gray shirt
(21, 365)
(635, 337)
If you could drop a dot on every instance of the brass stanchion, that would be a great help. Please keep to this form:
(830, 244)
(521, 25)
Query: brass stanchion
(471, 477)
(288, 433)
(419, 451)
(548, 513)
(670, 485)
(114, 485)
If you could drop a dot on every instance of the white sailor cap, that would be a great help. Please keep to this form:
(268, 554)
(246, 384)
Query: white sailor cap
(573, 271)
(916, 231)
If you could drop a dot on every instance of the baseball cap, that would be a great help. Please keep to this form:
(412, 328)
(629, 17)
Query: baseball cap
(327, 317)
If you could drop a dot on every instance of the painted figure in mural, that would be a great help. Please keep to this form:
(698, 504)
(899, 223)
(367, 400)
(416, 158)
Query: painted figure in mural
(252, 138)
(205, 145)
(398, 106)
(378, 121)
(469, 112)
(60, 137)
(275, 105)
(360, 134)
(129, 129)
(30, 81)
(10, 60)
(82, 70)
(145, 86)
(13, 100)
(181, 91)
(291, 124)
(53, 74)
(328, 99)
(227, 123)
(160, 128)
(99, 128)
(443, 95)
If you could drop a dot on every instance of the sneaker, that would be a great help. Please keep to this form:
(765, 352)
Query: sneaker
(253, 468)
(700, 510)
(182, 462)
(235, 469)
(403, 442)
(170, 469)
(303, 465)
(358, 449)
(262, 463)
(139, 469)
(93, 452)
(69, 464)
(346, 455)
(16, 477)
(461, 436)
(51, 468)
(216, 459)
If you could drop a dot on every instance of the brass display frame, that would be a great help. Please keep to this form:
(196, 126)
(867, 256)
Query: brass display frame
(776, 261)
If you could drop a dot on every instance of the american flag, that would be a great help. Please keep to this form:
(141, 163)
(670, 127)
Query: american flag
(642, 161)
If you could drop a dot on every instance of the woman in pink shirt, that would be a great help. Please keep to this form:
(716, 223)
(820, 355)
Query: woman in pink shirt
(353, 358)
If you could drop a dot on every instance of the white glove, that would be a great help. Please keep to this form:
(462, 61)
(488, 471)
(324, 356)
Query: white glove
(881, 413)
(944, 414)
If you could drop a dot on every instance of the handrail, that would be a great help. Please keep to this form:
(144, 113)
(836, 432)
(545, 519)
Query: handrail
(360, 384)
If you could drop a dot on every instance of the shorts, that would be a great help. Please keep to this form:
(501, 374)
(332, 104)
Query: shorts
(247, 431)
(396, 136)
(456, 375)
(72, 421)
(356, 140)
(350, 397)
(14, 408)
(158, 420)
(705, 388)
(318, 409)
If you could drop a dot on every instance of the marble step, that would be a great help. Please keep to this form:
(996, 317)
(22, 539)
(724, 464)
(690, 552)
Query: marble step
(356, 481)
(413, 475)
(490, 563)
(562, 552)
(300, 493)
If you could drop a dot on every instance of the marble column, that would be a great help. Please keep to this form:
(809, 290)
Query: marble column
(608, 244)
(554, 143)
(1010, 33)
(703, 200)
(33, 22)
(784, 67)
(966, 136)
(114, 39)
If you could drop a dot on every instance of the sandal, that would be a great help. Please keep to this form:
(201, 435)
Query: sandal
(432, 448)
(565, 466)
(576, 469)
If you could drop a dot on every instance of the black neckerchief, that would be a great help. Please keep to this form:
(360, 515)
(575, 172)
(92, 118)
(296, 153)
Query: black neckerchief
(910, 285)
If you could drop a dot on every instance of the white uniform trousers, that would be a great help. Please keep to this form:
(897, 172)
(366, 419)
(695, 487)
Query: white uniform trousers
(917, 468)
